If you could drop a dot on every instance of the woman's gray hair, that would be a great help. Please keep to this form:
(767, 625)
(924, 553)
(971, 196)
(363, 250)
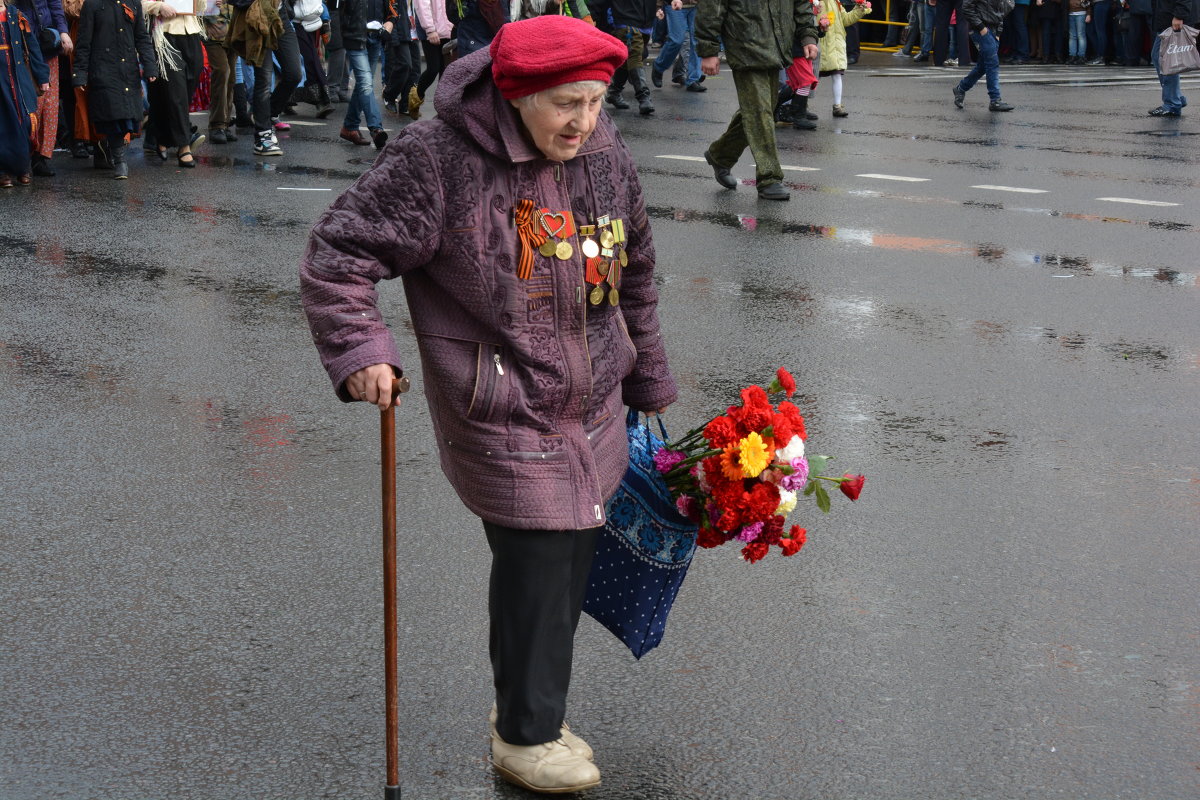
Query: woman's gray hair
(534, 100)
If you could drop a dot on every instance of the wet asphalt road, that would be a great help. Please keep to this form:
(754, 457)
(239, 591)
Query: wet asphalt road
(189, 576)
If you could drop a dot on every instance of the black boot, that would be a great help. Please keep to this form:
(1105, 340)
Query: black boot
(615, 100)
(324, 103)
(799, 115)
(120, 167)
(641, 91)
(101, 155)
(782, 111)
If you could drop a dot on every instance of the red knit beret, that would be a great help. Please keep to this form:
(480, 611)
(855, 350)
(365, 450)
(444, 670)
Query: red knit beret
(542, 52)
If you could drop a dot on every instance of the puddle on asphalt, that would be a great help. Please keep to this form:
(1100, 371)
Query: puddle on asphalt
(243, 165)
(984, 251)
(79, 263)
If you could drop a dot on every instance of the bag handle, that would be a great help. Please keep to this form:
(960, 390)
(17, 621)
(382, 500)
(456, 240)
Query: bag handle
(633, 418)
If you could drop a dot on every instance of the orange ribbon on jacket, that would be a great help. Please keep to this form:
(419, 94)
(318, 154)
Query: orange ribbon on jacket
(531, 238)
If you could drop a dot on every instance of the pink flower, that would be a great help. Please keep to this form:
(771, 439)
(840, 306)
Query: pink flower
(665, 460)
(750, 532)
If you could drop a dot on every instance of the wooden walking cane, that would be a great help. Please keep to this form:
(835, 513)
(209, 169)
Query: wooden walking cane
(387, 438)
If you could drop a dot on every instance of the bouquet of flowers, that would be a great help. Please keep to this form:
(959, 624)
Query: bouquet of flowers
(742, 473)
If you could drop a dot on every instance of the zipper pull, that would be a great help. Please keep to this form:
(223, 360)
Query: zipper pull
(496, 359)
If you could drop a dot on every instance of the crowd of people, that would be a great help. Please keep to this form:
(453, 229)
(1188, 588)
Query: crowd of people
(1072, 32)
(92, 76)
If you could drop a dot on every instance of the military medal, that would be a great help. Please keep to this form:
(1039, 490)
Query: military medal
(607, 239)
(624, 258)
(563, 251)
(548, 248)
(588, 245)
(603, 269)
(596, 296)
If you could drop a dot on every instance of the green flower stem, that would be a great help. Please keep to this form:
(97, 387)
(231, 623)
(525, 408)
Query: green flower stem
(684, 466)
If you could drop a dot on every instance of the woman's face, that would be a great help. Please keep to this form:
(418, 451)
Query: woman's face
(562, 119)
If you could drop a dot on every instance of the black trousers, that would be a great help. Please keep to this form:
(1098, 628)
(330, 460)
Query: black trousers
(434, 66)
(403, 66)
(942, 31)
(314, 72)
(535, 596)
(171, 94)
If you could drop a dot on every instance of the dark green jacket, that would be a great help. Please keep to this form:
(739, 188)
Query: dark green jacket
(757, 33)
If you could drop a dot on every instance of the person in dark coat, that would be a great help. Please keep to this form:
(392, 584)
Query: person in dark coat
(1173, 14)
(113, 52)
(23, 77)
(50, 33)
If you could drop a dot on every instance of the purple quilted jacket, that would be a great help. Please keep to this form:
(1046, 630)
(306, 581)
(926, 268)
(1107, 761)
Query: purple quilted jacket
(526, 381)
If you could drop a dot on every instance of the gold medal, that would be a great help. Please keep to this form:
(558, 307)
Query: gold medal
(548, 248)
(613, 296)
(624, 258)
(564, 251)
(590, 248)
(602, 268)
(607, 239)
(596, 296)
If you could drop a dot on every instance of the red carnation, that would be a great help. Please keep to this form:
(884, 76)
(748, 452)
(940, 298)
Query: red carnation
(792, 413)
(721, 432)
(851, 485)
(772, 531)
(755, 551)
(762, 502)
(786, 381)
(782, 429)
(710, 537)
(791, 546)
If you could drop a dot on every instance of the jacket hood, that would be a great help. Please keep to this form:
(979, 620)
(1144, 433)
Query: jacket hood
(468, 101)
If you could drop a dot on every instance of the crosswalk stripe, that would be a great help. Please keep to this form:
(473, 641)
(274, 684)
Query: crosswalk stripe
(879, 176)
(1137, 202)
(1009, 189)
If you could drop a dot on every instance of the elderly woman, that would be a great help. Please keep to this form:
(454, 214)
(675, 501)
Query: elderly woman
(517, 223)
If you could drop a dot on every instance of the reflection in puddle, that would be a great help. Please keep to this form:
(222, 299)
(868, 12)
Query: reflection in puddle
(985, 251)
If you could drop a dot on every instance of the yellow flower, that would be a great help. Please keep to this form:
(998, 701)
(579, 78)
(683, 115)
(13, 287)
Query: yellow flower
(754, 456)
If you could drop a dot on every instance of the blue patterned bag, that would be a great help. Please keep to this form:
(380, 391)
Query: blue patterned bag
(643, 553)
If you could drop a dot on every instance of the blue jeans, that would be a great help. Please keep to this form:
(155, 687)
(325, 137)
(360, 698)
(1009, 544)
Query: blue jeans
(1098, 28)
(925, 16)
(362, 64)
(988, 63)
(680, 24)
(1020, 28)
(1172, 98)
(1076, 40)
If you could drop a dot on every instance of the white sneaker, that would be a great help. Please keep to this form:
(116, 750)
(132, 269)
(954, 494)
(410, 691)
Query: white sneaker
(578, 746)
(550, 768)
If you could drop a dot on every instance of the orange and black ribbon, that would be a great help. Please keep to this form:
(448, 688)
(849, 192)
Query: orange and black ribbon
(529, 234)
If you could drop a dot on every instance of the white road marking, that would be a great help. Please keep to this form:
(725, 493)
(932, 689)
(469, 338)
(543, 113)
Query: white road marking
(683, 158)
(802, 169)
(1009, 189)
(891, 177)
(300, 189)
(1137, 202)
(305, 124)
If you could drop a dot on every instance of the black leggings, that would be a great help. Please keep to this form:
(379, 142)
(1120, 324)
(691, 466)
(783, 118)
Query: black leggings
(434, 64)
(535, 595)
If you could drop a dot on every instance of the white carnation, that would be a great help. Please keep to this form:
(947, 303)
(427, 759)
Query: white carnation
(794, 449)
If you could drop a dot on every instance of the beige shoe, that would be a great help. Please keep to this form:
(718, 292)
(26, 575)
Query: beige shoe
(578, 746)
(550, 768)
(414, 103)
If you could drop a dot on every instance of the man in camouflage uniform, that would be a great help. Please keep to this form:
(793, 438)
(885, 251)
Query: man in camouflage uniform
(758, 38)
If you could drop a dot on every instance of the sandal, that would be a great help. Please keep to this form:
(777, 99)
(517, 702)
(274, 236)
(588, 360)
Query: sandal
(191, 160)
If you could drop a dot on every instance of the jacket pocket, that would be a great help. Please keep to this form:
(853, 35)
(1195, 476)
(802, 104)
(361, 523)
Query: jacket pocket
(493, 379)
